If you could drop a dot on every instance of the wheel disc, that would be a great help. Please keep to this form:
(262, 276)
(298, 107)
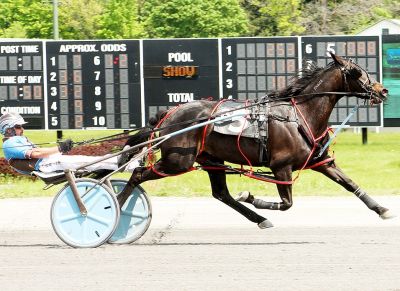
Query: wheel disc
(135, 215)
(89, 230)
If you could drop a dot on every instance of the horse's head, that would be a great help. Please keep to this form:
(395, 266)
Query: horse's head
(357, 80)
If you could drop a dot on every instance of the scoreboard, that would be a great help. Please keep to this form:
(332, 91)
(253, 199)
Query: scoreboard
(252, 67)
(22, 81)
(391, 78)
(119, 84)
(365, 51)
(93, 84)
(177, 71)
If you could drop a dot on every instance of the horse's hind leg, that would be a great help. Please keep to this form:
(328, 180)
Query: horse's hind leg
(285, 192)
(220, 192)
(139, 175)
(176, 161)
(336, 174)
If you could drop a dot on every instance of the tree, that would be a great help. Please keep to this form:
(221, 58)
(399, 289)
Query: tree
(345, 17)
(25, 19)
(15, 30)
(120, 20)
(80, 19)
(274, 17)
(194, 18)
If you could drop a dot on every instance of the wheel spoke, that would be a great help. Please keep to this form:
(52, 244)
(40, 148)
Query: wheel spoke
(99, 219)
(68, 217)
(134, 215)
(84, 232)
(93, 202)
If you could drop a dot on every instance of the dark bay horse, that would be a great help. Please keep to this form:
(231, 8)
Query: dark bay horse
(311, 96)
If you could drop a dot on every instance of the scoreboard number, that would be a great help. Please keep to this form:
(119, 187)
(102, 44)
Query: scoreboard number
(22, 81)
(93, 84)
(364, 50)
(252, 67)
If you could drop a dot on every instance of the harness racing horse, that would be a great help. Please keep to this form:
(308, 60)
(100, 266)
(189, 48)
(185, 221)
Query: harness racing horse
(291, 144)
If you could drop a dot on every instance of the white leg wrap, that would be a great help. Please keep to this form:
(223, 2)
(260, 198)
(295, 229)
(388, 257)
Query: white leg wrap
(359, 193)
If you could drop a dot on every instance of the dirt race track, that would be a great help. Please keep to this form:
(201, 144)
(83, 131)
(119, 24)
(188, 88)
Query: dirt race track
(200, 244)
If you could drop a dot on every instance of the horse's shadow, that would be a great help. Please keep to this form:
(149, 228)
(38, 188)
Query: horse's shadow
(61, 246)
(226, 243)
(37, 245)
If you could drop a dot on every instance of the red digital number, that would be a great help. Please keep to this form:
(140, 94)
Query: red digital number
(351, 48)
(361, 49)
(371, 48)
(123, 60)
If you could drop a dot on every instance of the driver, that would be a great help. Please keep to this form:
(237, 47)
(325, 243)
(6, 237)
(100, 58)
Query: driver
(25, 157)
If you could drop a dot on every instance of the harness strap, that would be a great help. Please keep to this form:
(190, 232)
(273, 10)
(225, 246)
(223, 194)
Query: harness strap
(247, 173)
(338, 130)
(150, 153)
(326, 161)
(314, 140)
(203, 139)
(240, 149)
(170, 175)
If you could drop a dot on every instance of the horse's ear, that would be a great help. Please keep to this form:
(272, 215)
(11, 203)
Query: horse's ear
(338, 60)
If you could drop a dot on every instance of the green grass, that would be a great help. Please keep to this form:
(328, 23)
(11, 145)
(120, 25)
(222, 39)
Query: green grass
(375, 167)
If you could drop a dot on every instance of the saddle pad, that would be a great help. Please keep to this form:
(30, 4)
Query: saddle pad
(237, 124)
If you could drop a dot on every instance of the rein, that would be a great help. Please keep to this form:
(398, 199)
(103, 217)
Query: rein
(263, 100)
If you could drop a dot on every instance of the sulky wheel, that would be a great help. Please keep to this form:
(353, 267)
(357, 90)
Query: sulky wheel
(85, 231)
(135, 215)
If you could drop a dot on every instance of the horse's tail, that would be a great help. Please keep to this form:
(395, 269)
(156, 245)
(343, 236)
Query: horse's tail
(139, 137)
(144, 134)
(153, 121)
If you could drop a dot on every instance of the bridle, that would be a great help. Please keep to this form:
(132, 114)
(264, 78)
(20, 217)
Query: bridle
(348, 70)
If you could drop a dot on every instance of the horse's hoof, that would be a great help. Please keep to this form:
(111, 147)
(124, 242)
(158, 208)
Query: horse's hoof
(243, 196)
(387, 215)
(265, 224)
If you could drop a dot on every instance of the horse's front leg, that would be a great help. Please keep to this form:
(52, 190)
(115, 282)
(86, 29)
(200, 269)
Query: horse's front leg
(285, 192)
(334, 173)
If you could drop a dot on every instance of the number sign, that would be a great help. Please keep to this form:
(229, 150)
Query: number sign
(177, 71)
(364, 50)
(93, 84)
(22, 82)
(254, 66)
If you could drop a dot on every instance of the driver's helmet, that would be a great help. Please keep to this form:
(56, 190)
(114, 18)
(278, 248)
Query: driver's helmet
(9, 120)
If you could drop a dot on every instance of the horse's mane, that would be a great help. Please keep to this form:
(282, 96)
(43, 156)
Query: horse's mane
(300, 81)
